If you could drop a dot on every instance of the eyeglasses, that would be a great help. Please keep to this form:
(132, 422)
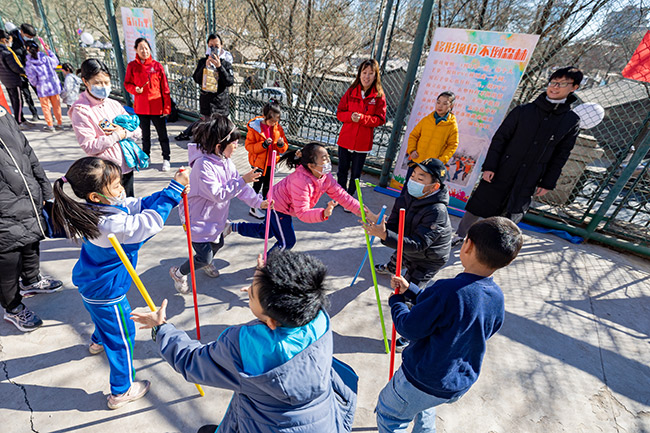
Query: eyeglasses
(559, 84)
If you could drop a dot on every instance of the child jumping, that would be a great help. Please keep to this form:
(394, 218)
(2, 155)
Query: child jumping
(279, 366)
(297, 194)
(215, 181)
(99, 274)
(263, 137)
(449, 325)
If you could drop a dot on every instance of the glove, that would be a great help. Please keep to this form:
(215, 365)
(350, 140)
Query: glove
(267, 143)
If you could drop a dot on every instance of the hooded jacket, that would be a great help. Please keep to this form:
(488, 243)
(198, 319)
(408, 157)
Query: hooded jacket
(427, 229)
(358, 136)
(10, 70)
(23, 188)
(298, 193)
(528, 151)
(433, 140)
(278, 388)
(258, 156)
(40, 72)
(155, 98)
(215, 181)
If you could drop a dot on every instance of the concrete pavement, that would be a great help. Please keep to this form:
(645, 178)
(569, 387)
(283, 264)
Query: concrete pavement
(572, 356)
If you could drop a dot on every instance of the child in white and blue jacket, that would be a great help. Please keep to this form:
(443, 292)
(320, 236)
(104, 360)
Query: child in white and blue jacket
(99, 274)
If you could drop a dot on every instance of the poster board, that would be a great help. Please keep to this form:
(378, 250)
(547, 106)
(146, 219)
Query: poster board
(138, 23)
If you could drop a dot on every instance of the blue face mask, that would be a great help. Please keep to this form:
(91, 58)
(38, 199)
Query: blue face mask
(100, 92)
(415, 189)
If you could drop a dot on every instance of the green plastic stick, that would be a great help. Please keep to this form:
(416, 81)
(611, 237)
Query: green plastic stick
(372, 267)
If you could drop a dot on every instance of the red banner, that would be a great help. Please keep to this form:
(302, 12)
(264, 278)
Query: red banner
(638, 68)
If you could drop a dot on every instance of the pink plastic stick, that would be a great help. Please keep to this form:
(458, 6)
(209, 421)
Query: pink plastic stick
(269, 197)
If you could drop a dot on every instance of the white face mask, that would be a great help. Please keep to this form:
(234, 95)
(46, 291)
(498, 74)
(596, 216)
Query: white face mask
(116, 201)
(325, 169)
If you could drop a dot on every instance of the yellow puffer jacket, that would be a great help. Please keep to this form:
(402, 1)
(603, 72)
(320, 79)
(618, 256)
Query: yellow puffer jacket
(434, 141)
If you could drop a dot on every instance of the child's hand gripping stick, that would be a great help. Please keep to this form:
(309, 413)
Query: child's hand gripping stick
(372, 239)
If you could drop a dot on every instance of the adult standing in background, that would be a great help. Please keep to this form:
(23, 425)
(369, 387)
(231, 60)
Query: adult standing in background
(361, 109)
(146, 81)
(27, 32)
(11, 70)
(214, 101)
(89, 113)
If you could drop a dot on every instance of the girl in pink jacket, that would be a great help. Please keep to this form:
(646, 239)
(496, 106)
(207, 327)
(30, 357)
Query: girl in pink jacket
(297, 194)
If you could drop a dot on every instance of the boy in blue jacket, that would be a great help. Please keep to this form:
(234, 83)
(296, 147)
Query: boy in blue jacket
(279, 366)
(448, 326)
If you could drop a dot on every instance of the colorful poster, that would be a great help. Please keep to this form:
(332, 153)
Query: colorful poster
(483, 69)
(638, 68)
(138, 23)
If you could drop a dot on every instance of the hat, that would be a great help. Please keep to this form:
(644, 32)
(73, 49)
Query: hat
(434, 167)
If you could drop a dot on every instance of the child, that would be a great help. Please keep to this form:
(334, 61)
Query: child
(71, 84)
(263, 137)
(99, 274)
(280, 366)
(448, 326)
(215, 181)
(427, 229)
(40, 72)
(297, 194)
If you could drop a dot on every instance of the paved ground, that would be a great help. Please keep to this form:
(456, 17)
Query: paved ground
(573, 354)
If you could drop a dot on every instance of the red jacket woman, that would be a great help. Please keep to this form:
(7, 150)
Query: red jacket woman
(146, 80)
(362, 109)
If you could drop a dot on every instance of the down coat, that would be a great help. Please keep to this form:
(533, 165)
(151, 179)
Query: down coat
(21, 196)
(528, 151)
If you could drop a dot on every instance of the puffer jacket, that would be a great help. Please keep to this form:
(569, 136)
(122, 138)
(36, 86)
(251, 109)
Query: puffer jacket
(298, 193)
(10, 70)
(21, 196)
(434, 141)
(40, 72)
(155, 98)
(358, 136)
(257, 155)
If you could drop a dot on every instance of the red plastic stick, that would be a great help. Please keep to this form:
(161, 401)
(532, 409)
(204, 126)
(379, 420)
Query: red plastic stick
(269, 197)
(187, 226)
(398, 272)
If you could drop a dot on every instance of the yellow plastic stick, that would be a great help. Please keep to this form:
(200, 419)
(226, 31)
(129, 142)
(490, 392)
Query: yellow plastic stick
(138, 282)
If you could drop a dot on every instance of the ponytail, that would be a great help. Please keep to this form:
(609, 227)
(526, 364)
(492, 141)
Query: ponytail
(304, 156)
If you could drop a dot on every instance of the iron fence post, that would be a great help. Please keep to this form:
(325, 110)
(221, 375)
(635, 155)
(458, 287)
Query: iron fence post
(411, 71)
(46, 26)
(117, 48)
(384, 29)
(374, 35)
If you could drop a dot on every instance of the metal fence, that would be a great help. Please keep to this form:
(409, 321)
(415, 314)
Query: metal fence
(308, 51)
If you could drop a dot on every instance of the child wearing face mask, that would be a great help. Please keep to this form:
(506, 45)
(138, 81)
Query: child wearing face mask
(297, 194)
(99, 208)
(263, 137)
(215, 181)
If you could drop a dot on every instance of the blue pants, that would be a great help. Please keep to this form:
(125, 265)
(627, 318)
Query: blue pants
(115, 330)
(281, 228)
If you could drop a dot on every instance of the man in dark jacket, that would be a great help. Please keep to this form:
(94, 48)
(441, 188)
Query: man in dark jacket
(527, 153)
(213, 102)
(27, 32)
(23, 190)
(427, 229)
(10, 75)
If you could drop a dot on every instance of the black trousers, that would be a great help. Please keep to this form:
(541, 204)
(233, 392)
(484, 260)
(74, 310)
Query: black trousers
(27, 97)
(263, 183)
(127, 183)
(16, 103)
(205, 252)
(160, 123)
(348, 159)
(23, 263)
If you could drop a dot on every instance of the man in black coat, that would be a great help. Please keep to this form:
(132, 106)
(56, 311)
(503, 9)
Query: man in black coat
(24, 188)
(527, 153)
(11, 71)
(218, 102)
(20, 36)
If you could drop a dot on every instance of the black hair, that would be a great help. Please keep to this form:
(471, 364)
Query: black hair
(28, 29)
(214, 134)
(497, 241)
(86, 175)
(571, 72)
(67, 67)
(4, 34)
(137, 42)
(304, 156)
(449, 94)
(271, 107)
(215, 36)
(91, 67)
(291, 287)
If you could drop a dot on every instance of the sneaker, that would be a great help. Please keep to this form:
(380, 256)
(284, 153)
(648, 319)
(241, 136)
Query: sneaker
(59, 128)
(48, 128)
(257, 213)
(456, 240)
(166, 166)
(23, 318)
(180, 283)
(384, 269)
(182, 137)
(35, 118)
(346, 210)
(95, 348)
(400, 344)
(137, 390)
(211, 271)
(45, 285)
(227, 230)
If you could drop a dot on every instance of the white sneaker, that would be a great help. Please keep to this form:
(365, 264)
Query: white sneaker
(180, 283)
(48, 128)
(137, 390)
(257, 213)
(166, 166)
(211, 271)
(95, 348)
(227, 230)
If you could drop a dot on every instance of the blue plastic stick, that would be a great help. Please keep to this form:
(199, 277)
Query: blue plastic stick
(372, 239)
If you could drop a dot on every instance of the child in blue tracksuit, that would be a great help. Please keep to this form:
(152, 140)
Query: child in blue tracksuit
(99, 274)
(448, 326)
(280, 366)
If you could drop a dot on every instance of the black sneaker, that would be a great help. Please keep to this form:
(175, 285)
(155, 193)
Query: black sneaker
(400, 344)
(23, 318)
(182, 137)
(384, 269)
(45, 285)
(457, 240)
